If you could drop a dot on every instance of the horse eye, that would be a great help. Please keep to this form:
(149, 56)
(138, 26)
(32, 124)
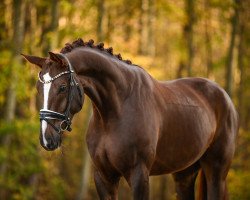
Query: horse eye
(62, 88)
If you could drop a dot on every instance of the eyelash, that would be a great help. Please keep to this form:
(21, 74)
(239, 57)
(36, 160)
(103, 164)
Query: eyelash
(62, 88)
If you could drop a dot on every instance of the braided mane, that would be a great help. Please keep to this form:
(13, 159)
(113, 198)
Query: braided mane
(80, 43)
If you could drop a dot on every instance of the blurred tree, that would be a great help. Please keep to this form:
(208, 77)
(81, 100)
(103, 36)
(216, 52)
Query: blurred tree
(110, 25)
(143, 27)
(208, 43)
(51, 31)
(163, 191)
(100, 16)
(18, 17)
(146, 42)
(230, 56)
(86, 164)
(242, 54)
(188, 30)
(2, 23)
(150, 26)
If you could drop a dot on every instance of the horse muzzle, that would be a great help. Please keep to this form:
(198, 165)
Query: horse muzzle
(51, 142)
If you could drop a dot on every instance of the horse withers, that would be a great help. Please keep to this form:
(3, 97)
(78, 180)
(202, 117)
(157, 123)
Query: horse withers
(140, 126)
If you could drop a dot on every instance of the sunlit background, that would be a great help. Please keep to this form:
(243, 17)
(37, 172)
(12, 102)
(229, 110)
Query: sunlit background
(169, 38)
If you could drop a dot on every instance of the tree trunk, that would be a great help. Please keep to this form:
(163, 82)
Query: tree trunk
(163, 188)
(100, 16)
(208, 44)
(54, 24)
(7, 15)
(146, 42)
(127, 27)
(18, 35)
(33, 33)
(110, 27)
(189, 8)
(229, 61)
(86, 166)
(180, 69)
(2, 22)
(49, 35)
(140, 28)
(243, 19)
(151, 23)
(83, 192)
(143, 37)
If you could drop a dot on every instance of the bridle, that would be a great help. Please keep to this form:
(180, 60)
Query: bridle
(48, 115)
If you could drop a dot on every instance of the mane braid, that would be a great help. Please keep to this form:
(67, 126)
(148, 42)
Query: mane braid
(80, 43)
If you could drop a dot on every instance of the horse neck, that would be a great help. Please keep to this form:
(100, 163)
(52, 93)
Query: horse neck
(103, 81)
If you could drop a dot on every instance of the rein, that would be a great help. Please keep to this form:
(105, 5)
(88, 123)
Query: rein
(48, 115)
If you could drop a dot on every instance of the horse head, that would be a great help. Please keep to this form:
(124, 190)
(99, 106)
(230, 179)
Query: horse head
(61, 95)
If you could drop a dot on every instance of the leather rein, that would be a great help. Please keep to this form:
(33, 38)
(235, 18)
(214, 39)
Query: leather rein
(48, 115)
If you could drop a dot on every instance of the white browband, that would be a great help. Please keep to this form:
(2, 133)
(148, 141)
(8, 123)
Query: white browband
(55, 77)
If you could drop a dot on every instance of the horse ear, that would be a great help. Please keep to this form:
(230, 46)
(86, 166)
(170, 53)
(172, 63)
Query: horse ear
(35, 60)
(55, 57)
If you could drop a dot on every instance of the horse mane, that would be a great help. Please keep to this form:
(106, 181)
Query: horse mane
(80, 43)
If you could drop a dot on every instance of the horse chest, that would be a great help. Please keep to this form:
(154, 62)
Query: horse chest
(115, 152)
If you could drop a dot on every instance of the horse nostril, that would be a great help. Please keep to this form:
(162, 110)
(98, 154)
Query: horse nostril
(50, 143)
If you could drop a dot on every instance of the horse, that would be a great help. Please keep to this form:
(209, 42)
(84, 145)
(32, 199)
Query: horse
(140, 127)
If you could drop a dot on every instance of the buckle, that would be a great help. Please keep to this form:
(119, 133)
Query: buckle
(65, 125)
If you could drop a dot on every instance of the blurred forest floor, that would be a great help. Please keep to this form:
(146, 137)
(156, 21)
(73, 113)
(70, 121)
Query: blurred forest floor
(170, 39)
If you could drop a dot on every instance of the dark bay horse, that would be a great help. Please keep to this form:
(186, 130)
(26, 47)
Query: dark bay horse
(140, 126)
